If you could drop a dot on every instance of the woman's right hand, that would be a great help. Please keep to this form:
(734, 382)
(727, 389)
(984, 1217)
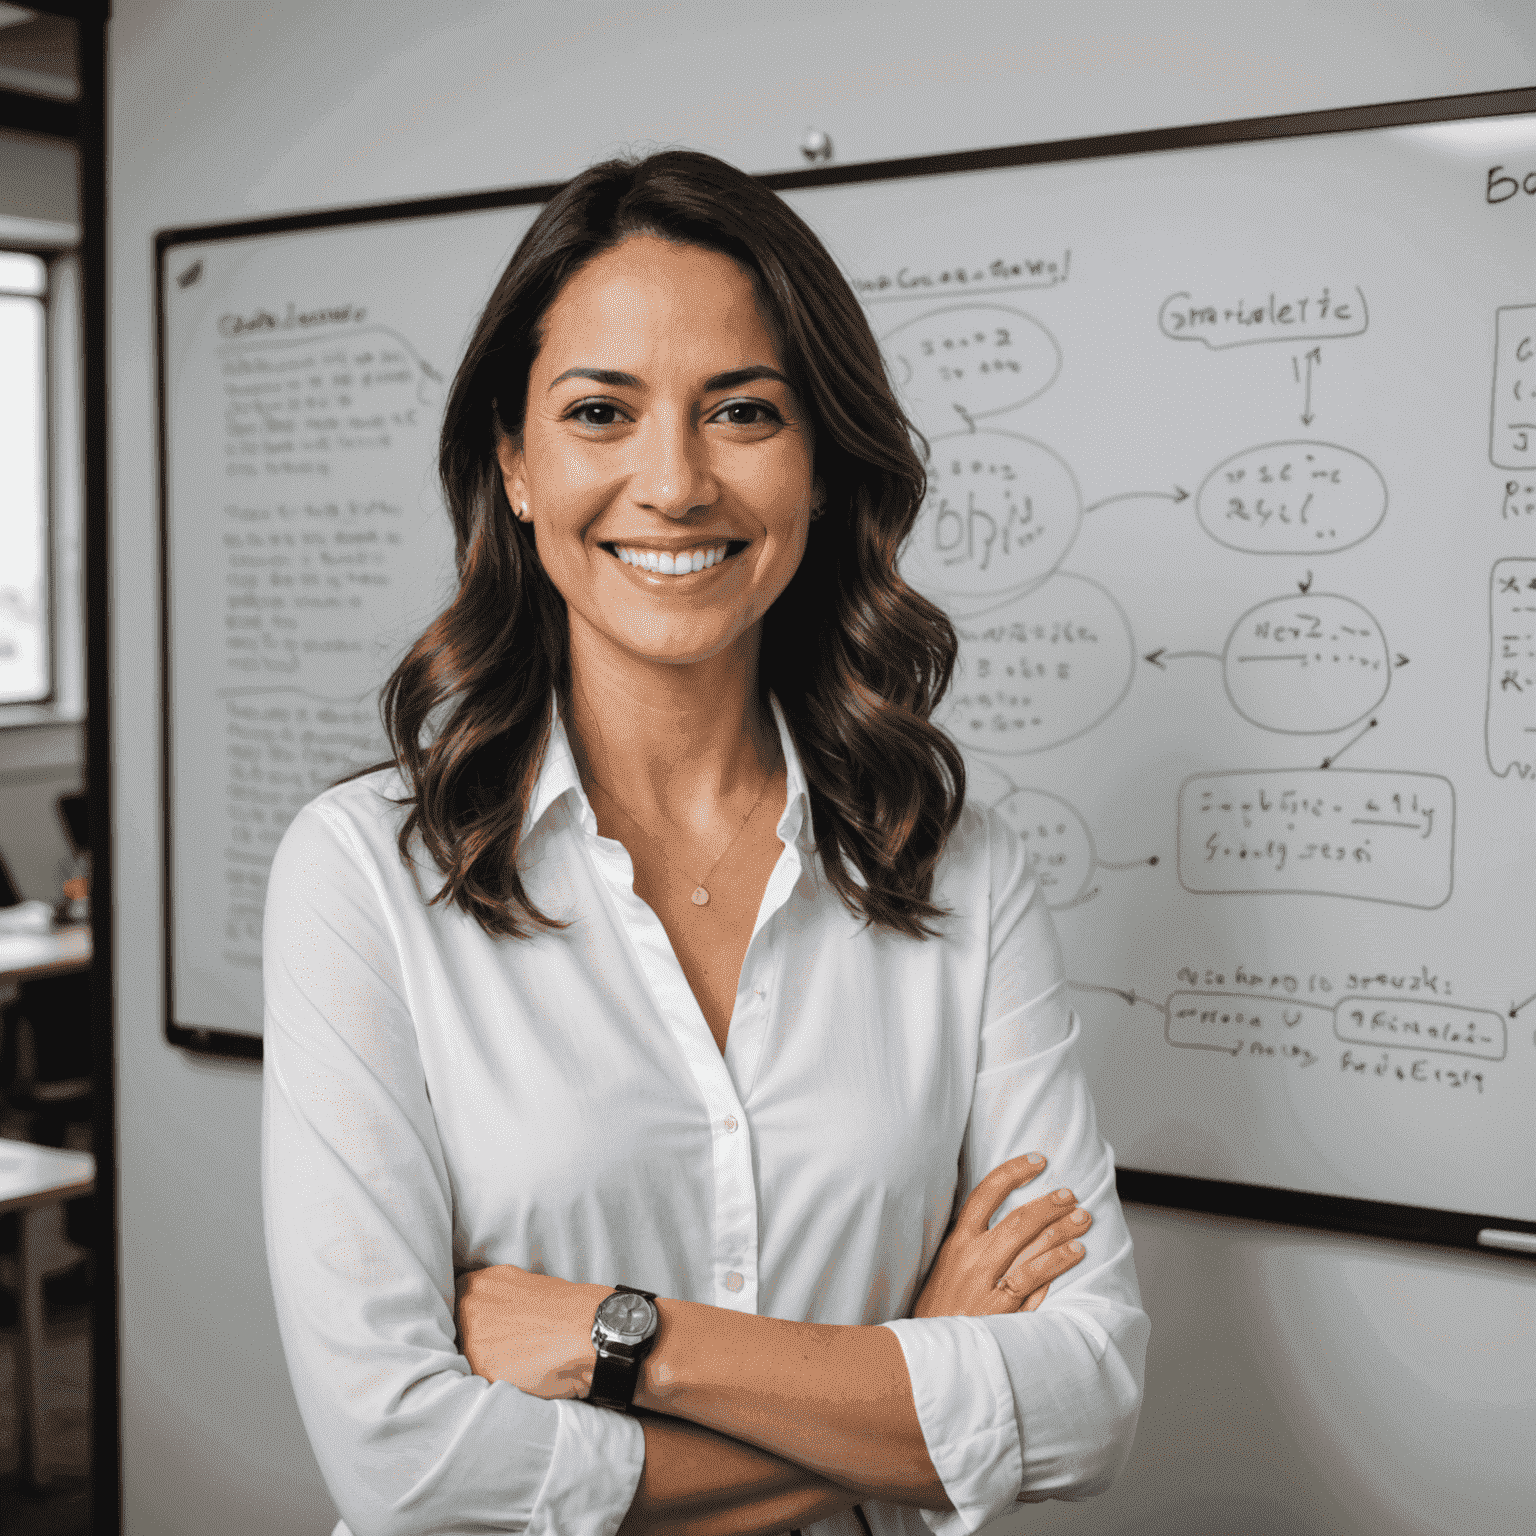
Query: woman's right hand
(1007, 1268)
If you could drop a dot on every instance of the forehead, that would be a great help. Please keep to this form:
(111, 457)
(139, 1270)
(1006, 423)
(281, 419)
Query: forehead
(648, 295)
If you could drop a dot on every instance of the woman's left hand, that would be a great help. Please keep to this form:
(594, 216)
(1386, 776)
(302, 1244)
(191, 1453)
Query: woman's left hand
(532, 1330)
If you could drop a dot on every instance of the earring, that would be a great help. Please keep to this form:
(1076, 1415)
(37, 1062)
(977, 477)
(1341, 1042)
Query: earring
(522, 513)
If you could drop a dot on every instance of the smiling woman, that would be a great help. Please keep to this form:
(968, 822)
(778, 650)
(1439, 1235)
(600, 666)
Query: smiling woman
(681, 265)
(626, 1146)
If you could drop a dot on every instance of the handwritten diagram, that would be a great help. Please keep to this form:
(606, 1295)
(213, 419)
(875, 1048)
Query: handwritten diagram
(1512, 443)
(327, 417)
(1064, 641)
(1511, 716)
(1429, 1043)
(1056, 840)
(1233, 1023)
(1040, 670)
(1361, 833)
(1000, 515)
(1292, 498)
(1234, 319)
(321, 432)
(977, 360)
(1302, 666)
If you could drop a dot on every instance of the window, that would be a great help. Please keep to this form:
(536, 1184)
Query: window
(26, 659)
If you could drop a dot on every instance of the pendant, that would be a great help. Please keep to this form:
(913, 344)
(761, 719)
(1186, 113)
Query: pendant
(701, 897)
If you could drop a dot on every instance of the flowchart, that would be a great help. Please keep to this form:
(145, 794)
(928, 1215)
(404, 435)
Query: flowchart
(1051, 657)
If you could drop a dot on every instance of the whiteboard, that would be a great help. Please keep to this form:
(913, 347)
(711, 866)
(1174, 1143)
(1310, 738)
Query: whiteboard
(1233, 503)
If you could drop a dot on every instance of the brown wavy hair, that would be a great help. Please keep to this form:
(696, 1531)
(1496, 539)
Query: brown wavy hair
(856, 658)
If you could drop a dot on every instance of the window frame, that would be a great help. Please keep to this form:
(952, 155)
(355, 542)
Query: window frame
(49, 560)
(63, 702)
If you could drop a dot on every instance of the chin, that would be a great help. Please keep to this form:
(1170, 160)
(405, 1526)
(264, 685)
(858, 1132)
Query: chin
(677, 650)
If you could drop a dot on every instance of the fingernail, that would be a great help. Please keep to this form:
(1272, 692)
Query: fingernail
(1064, 1197)
(1079, 1217)
(1035, 1160)
(1074, 1248)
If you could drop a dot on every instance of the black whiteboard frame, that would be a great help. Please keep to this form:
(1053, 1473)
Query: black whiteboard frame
(1418, 1224)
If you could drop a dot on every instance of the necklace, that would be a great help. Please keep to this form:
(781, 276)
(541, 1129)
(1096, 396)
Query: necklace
(700, 897)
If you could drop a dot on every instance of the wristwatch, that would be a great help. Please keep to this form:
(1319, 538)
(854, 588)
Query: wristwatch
(623, 1331)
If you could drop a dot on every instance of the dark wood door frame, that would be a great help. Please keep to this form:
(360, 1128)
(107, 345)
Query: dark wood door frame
(85, 121)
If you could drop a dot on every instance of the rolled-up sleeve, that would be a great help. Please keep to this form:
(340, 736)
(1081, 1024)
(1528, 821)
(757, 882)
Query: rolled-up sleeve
(1032, 1405)
(359, 1221)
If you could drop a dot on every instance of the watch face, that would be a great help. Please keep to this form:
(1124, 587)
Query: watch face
(624, 1314)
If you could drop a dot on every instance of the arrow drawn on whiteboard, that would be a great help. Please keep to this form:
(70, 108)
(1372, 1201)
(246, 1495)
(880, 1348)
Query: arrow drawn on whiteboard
(1176, 495)
(1526, 1004)
(1328, 762)
(1124, 996)
(1160, 658)
(1209, 1045)
(1314, 356)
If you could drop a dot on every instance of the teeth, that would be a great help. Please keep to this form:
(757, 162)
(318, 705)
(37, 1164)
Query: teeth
(664, 564)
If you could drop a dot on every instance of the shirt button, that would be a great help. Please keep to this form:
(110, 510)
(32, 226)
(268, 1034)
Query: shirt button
(733, 1281)
(729, 1122)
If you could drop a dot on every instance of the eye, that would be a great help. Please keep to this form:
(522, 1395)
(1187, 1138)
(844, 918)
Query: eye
(594, 413)
(749, 413)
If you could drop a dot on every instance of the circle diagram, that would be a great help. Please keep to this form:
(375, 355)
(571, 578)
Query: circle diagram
(1292, 498)
(1000, 515)
(1056, 842)
(1306, 664)
(1039, 670)
(971, 360)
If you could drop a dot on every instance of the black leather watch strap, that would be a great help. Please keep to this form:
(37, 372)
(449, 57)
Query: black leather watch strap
(616, 1373)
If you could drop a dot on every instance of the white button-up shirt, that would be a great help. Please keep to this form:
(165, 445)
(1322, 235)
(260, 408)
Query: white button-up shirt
(437, 1100)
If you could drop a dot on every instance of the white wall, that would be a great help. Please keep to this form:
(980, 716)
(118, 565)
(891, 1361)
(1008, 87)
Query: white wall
(1298, 1383)
(38, 185)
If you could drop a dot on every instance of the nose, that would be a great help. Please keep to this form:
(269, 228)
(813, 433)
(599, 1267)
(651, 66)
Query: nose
(672, 474)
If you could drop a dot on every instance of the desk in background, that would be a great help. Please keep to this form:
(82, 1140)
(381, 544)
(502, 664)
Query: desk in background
(30, 1178)
(28, 957)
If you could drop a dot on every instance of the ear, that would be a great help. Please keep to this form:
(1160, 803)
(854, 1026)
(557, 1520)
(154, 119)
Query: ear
(509, 455)
(818, 498)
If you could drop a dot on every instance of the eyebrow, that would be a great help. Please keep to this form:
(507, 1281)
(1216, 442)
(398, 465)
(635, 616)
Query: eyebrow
(620, 380)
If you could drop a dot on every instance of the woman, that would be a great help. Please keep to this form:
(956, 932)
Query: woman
(666, 956)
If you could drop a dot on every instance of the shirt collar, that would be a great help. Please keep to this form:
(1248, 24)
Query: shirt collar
(558, 778)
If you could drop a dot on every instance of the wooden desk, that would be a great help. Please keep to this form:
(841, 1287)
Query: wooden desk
(31, 1177)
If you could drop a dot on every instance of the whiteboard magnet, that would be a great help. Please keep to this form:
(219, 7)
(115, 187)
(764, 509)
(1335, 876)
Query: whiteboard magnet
(1515, 1242)
(816, 146)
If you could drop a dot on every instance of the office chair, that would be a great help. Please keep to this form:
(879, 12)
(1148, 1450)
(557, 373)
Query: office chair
(45, 1056)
